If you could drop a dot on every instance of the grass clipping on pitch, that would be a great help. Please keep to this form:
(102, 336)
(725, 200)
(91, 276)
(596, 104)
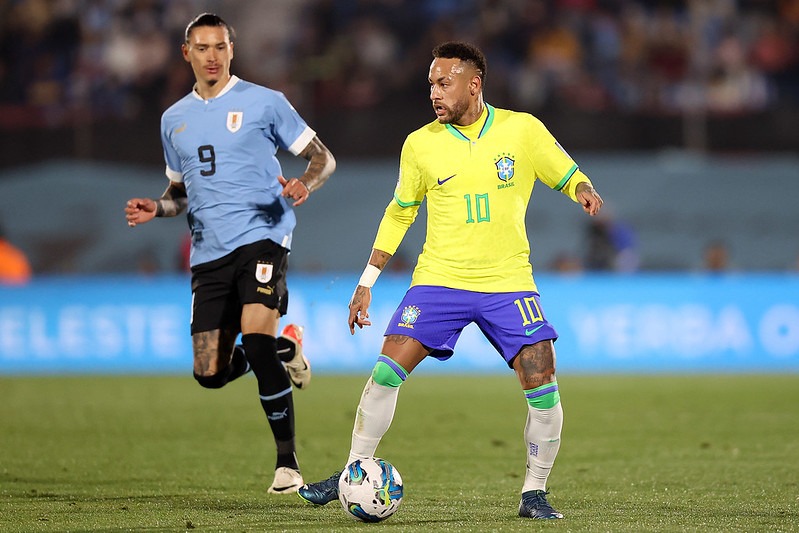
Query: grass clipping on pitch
(106, 453)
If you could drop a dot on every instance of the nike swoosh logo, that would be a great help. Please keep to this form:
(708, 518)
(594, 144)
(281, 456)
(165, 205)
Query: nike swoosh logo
(529, 332)
(442, 182)
(284, 489)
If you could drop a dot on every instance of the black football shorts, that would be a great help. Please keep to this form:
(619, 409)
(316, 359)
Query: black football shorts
(253, 273)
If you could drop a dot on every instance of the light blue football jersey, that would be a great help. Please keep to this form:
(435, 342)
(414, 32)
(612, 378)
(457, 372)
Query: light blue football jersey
(224, 151)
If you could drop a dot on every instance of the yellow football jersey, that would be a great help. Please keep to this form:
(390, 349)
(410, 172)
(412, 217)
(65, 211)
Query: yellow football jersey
(477, 181)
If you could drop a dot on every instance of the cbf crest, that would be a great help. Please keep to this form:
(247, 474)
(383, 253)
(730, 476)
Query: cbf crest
(505, 164)
(409, 316)
(234, 120)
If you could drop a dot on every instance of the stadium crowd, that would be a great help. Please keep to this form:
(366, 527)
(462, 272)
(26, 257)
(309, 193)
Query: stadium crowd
(67, 61)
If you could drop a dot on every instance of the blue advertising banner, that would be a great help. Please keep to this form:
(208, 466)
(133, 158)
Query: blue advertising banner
(642, 323)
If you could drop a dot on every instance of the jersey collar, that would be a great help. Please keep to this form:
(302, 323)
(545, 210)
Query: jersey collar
(487, 122)
(230, 83)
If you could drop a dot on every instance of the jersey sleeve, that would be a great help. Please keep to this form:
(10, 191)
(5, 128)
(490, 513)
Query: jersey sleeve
(403, 208)
(174, 170)
(553, 165)
(289, 129)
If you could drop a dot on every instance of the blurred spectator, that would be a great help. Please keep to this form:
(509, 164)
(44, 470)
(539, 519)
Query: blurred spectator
(403, 264)
(734, 85)
(775, 51)
(600, 253)
(184, 254)
(39, 43)
(566, 263)
(611, 245)
(147, 264)
(14, 266)
(716, 257)
(66, 60)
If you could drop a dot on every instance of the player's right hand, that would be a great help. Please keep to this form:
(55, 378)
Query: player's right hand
(139, 211)
(359, 308)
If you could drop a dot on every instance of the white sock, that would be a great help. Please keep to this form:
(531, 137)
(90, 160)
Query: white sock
(542, 436)
(372, 420)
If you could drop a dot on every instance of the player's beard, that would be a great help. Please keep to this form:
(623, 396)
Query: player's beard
(456, 112)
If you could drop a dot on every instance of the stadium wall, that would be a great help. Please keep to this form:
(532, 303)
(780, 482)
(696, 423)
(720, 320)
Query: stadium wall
(607, 323)
(674, 202)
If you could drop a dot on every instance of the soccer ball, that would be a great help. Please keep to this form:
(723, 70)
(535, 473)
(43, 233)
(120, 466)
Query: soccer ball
(370, 490)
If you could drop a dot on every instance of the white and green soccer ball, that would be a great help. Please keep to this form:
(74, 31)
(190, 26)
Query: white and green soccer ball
(370, 490)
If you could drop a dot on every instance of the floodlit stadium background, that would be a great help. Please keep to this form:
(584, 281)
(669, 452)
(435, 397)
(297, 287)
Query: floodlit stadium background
(684, 113)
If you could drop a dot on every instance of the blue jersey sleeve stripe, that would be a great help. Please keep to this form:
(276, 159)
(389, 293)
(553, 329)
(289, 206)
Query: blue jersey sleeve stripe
(405, 204)
(566, 178)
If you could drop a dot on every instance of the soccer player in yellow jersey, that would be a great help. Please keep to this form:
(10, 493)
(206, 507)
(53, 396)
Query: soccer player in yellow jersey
(476, 165)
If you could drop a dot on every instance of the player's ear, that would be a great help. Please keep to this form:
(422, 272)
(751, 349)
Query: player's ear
(231, 49)
(475, 85)
(184, 48)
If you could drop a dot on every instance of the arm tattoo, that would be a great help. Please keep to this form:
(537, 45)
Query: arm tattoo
(172, 202)
(379, 258)
(321, 164)
(583, 186)
(357, 296)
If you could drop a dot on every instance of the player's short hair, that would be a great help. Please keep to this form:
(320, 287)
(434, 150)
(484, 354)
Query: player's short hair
(209, 19)
(465, 52)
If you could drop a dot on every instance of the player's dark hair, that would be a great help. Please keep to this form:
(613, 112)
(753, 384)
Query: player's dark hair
(209, 19)
(465, 52)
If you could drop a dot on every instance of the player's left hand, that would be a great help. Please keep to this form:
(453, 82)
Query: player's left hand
(359, 308)
(588, 198)
(294, 189)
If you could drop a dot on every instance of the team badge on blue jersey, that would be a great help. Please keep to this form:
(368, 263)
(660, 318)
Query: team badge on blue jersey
(409, 315)
(505, 165)
(234, 120)
(263, 272)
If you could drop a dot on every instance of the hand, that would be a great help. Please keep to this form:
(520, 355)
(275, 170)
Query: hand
(359, 308)
(588, 198)
(139, 211)
(294, 189)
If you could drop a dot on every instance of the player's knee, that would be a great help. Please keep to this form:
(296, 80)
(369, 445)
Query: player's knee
(388, 372)
(214, 381)
(536, 361)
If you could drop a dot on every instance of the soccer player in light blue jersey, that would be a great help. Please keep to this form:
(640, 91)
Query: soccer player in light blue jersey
(219, 143)
(476, 166)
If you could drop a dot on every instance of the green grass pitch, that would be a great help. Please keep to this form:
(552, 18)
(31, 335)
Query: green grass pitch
(639, 453)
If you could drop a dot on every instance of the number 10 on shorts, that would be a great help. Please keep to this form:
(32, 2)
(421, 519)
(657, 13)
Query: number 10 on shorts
(528, 308)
